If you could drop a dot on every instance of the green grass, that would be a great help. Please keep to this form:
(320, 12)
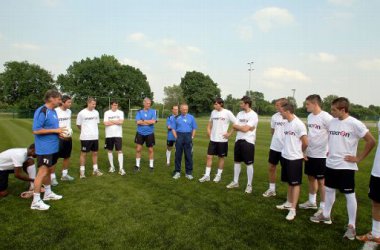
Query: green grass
(151, 210)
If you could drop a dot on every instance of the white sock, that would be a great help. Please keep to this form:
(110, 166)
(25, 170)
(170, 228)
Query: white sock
(110, 159)
(168, 154)
(250, 174)
(237, 168)
(322, 204)
(36, 197)
(95, 167)
(151, 163)
(65, 172)
(138, 162)
(352, 206)
(220, 171)
(272, 186)
(52, 176)
(47, 189)
(120, 158)
(329, 202)
(82, 168)
(375, 228)
(313, 198)
(208, 171)
(32, 175)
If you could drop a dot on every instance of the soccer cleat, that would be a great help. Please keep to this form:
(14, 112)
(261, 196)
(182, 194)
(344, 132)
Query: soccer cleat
(204, 178)
(269, 193)
(368, 237)
(97, 173)
(137, 169)
(350, 233)
(67, 178)
(54, 182)
(176, 176)
(121, 172)
(232, 185)
(217, 178)
(39, 205)
(151, 169)
(189, 177)
(248, 189)
(291, 215)
(52, 197)
(321, 218)
(286, 205)
(320, 211)
(111, 170)
(308, 205)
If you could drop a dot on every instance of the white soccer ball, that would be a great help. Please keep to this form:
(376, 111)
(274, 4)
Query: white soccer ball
(68, 133)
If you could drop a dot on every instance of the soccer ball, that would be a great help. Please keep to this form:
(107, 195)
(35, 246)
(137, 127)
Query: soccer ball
(68, 133)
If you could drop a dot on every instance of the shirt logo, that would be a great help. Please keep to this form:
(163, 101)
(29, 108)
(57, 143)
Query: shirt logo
(289, 133)
(219, 118)
(64, 119)
(243, 120)
(316, 126)
(341, 133)
(90, 118)
(279, 123)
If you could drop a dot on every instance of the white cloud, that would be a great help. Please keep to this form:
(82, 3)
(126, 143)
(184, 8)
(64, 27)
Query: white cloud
(323, 57)
(372, 64)
(245, 32)
(138, 36)
(131, 62)
(285, 75)
(26, 46)
(271, 17)
(51, 3)
(341, 2)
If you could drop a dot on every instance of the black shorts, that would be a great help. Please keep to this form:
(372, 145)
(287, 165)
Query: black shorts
(149, 140)
(65, 148)
(315, 167)
(114, 142)
(218, 148)
(89, 145)
(374, 189)
(47, 160)
(274, 157)
(244, 152)
(341, 179)
(170, 143)
(291, 171)
(4, 179)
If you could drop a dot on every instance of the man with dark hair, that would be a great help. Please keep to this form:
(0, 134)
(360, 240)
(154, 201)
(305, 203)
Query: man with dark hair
(315, 160)
(170, 137)
(87, 122)
(14, 161)
(277, 124)
(65, 144)
(113, 120)
(46, 132)
(341, 164)
(244, 151)
(217, 130)
(292, 155)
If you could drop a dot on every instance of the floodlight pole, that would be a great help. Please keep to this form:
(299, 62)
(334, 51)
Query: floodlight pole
(250, 70)
(294, 92)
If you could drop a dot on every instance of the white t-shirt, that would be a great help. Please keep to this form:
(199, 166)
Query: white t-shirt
(220, 121)
(376, 163)
(251, 119)
(318, 134)
(277, 123)
(293, 132)
(64, 117)
(88, 120)
(344, 136)
(12, 158)
(114, 130)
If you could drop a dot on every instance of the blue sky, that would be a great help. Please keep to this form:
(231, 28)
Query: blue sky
(324, 47)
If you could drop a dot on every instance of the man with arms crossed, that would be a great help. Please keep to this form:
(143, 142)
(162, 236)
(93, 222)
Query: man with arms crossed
(341, 164)
(170, 139)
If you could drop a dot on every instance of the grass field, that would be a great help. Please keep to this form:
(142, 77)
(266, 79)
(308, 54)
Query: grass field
(151, 210)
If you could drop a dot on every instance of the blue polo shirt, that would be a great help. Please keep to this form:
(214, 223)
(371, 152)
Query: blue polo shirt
(45, 118)
(149, 114)
(184, 124)
(169, 121)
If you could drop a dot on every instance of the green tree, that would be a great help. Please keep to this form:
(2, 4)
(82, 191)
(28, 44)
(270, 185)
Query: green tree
(105, 78)
(199, 91)
(173, 96)
(232, 103)
(326, 103)
(23, 85)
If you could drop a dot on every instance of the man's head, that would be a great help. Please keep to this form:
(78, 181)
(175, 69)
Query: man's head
(32, 151)
(279, 102)
(66, 102)
(91, 103)
(147, 103)
(340, 107)
(114, 106)
(218, 104)
(175, 110)
(313, 103)
(52, 97)
(184, 109)
(287, 110)
(245, 103)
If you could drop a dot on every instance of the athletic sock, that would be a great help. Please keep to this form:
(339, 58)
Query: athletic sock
(250, 174)
(36, 197)
(272, 186)
(322, 204)
(208, 171)
(47, 189)
(329, 202)
(120, 158)
(375, 228)
(237, 168)
(32, 175)
(313, 198)
(95, 167)
(151, 163)
(110, 159)
(82, 168)
(220, 171)
(65, 172)
(352, 206)
(138, 162)
(52, 176)
(168, 154)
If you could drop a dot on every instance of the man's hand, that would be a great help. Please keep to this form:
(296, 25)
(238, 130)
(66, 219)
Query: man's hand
(351, 158)
(226, 135)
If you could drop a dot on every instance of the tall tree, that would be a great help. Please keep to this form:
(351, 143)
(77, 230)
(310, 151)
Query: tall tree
(199, 91)
(326, 103)
(173, 95)
(23, 85)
